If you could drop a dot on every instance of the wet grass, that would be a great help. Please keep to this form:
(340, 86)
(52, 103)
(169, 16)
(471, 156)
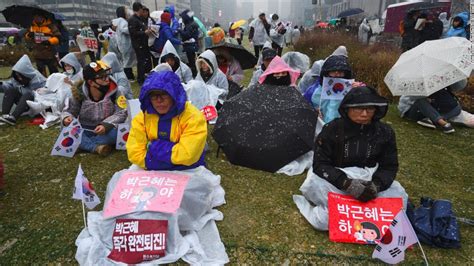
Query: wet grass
(39, 221)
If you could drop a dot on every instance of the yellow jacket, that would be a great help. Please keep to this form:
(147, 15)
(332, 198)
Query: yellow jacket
(187, 139)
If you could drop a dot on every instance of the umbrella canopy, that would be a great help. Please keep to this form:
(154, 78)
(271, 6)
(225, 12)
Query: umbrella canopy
(238, 24)
(431, 66)
(246, 59)
(201, 25)
(265, 127)
(350, 12)
(23, 15)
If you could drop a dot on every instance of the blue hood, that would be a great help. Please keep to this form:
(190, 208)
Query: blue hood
(465, 18)
(165, 81)
(171, 10)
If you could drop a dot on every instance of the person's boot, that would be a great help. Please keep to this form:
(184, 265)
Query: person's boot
(103, 150)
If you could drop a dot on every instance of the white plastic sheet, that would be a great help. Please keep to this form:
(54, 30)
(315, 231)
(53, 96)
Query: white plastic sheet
(192, 232)
(200, 94)
(315, 192)
(297, 60)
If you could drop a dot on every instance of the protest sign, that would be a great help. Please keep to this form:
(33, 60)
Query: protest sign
(137, 191)
(210, 112)
(137, 240)
(87, 44)
(353, 221)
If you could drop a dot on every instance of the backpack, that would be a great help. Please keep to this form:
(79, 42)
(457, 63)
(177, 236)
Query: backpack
(435, 223)
(401, 28)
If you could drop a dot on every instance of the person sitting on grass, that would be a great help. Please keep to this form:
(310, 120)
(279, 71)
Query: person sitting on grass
(209, 72)
(356, 142)
(436, 110)
(94, 103)
(19, 89)
(169, 133)
(170, 56)
(118, 74)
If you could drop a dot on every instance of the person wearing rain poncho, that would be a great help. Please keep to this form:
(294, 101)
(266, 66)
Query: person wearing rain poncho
(279, 73)
(310, 78)
(443, 18)
(19, 89)
(95, 104)
(169, 133)
(355, 155)
(209, 72)
(124, 41)
(118, 74)
(72, 67)
(229, 65)
(277, 34)
(458, 25)
(364, 31)
(170, 56)
(437, 110)
(267, 56)
(258, 34)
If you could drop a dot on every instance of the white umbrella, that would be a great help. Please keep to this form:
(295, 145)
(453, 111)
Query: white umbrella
(430, 67)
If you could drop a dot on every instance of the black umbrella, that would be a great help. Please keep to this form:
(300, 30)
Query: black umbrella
(234, 89)
(23, 15)
(350, 12)
(265, 127)
(246, 59)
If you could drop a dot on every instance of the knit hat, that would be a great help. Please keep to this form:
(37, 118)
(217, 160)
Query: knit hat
(166, 18)
(95, 69)
(268, 53)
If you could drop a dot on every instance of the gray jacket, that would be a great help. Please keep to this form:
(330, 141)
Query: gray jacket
(24, 67)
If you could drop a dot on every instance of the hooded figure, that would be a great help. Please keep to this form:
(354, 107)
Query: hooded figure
(266, 58)
(277, 34)
(25, 79)
(364, 30)
(214, 76)
(174, 22)
(122, 36)
(310, 77)
(118, 74)
(458, 27)
(166, 34)
(279, 66)
(443, 17)
(173, 140)
(189, 37)
(76, 73)
(357, 142)
(332, 63)
(229, 65)
(179, 68)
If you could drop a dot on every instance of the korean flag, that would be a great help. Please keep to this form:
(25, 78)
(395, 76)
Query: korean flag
(68, 140)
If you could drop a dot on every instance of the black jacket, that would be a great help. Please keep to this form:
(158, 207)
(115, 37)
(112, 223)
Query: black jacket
(361, 145)
(137, 27)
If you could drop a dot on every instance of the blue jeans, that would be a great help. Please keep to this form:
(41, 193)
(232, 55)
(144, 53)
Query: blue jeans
(422, 108)
(90, 140)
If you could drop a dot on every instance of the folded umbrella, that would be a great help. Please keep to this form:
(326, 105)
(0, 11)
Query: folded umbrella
(265, 127)
(246, 59)
(430, 67)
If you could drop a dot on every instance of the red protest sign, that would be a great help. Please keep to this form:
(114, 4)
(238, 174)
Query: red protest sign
(210, 112)
(353, 221)
(136, 240)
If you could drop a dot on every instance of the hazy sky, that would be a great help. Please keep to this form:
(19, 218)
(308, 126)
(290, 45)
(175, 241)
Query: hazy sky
(258, 5)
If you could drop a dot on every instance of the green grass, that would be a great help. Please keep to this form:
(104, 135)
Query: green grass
(39, 221)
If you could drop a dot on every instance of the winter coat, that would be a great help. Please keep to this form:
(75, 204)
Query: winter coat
(63, 47)
(137, 27)
(184, 72)
(217, 78)
(24, 67)
(105, 112)
(343, 143)
(459, 31)
(310, 77)
(277, 65)
(410, 36)
(50, 34)
(124, 43)
(173, 141)
(364, 30)
(118, 74)
(166, 35)
(258, 32)
(72, 60)
(190, 33)
(431, 31)
(174, 22)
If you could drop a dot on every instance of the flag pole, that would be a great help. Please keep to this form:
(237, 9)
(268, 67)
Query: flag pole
(419, 244)
(84, 214)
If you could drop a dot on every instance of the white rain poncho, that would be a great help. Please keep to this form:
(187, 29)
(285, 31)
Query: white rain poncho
(315, 192)
(255, 76)
(118, 74)
(260, 35)
(24, 67)
(184, 72)
(310, 76)
(53, 96)
(200, 94)
(192, 232)
(364, 29)
(72, 60)
(276, 37)
(217, 78)
(297, 60)
(295, 36)
(124, 43)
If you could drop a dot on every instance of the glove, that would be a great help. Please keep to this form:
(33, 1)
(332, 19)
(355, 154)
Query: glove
(45, 43)
(355, 187)
(369, 193)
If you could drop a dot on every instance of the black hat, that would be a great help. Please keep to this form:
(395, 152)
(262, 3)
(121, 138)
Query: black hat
(95, 69)
(268, 53)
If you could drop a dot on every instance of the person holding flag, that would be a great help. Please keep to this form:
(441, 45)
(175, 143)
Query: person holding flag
(95, 103)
